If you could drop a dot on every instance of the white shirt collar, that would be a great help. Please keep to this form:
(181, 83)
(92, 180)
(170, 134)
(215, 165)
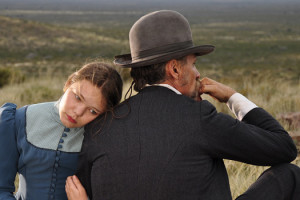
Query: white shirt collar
(165, 85)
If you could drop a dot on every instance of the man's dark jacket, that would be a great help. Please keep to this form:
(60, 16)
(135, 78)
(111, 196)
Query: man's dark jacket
(165, 146)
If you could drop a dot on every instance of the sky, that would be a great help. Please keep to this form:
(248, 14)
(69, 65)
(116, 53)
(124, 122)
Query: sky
(148, 1)
(65, 4)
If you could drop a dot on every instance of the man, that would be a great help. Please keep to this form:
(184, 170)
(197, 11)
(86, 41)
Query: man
(168, 144)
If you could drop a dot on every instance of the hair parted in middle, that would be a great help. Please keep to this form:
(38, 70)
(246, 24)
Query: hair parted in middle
(103, 76)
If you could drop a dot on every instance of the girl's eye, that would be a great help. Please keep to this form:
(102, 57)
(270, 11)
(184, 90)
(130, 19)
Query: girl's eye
(93, 112)
(77, 97)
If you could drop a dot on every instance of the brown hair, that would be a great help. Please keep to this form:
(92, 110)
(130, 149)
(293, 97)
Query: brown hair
(148, 75)
(152, 74)
(105, 77)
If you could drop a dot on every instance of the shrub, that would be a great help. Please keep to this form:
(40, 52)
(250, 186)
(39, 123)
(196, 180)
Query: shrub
(37, 94)
(10, 76)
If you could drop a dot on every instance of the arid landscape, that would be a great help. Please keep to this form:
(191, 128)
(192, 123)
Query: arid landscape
(257, 51)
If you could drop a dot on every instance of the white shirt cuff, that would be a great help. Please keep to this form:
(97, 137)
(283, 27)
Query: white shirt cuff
(240, 105)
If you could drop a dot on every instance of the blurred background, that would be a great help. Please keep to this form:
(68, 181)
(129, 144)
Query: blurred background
(257, 50)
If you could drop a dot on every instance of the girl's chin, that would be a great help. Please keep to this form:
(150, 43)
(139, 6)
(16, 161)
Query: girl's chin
(68, 124)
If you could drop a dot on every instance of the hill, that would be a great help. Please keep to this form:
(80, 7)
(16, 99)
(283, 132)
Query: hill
(24, 40)
(257, 50)
(248, 36)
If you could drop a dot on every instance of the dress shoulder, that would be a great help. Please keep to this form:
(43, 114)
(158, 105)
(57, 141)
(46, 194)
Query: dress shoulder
(7, 119)
(7, 111)
(8, 150)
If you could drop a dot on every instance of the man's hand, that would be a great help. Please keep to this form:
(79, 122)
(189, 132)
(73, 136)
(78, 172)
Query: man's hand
(74, 189)
(216, 90)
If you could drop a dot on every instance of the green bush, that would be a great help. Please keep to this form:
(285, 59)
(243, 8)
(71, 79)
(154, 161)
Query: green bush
(10, 76)
(38, 94)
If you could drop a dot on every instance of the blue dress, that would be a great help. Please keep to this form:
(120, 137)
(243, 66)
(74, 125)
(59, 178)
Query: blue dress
(35, 144)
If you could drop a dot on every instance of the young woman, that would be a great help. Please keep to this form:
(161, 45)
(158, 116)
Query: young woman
(41, 142)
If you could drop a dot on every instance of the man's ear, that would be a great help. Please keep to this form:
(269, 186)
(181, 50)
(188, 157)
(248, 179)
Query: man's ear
(173, 69)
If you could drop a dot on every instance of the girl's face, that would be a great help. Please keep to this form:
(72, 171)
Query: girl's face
(81, 103)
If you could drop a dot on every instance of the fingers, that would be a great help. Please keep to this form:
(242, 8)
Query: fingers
(75, 189)
(69, 184)
(77, 183)
(208, 86)
(208, 81)
(215, 89)
(208, 89)
(197, 95)
(73, 182)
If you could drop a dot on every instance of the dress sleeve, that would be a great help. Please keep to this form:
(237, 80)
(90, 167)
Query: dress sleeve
(8, 151)
(258, 139)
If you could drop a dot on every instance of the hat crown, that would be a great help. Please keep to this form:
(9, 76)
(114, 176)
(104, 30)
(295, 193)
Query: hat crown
(158, 37)
(158, 33)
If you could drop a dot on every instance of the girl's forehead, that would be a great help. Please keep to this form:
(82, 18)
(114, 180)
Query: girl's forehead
(90, 94)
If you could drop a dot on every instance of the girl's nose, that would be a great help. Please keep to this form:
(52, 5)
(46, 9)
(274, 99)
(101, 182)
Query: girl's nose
(79, 109)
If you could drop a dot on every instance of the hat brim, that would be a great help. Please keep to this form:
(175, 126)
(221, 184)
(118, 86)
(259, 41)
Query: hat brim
(125, 60)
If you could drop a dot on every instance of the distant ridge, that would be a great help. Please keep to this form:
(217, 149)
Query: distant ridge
(30, 40)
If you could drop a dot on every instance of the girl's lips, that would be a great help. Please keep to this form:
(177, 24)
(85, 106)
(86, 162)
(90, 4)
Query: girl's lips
(71, 119)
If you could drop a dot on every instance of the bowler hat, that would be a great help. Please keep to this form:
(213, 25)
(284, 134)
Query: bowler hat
(158, 37)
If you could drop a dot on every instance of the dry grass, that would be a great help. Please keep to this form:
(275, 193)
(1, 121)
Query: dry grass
(272, 91)
(242, 175)
(32, 91)
(256, 55)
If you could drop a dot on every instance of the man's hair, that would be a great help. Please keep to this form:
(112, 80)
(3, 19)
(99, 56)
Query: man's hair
(151, 74)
